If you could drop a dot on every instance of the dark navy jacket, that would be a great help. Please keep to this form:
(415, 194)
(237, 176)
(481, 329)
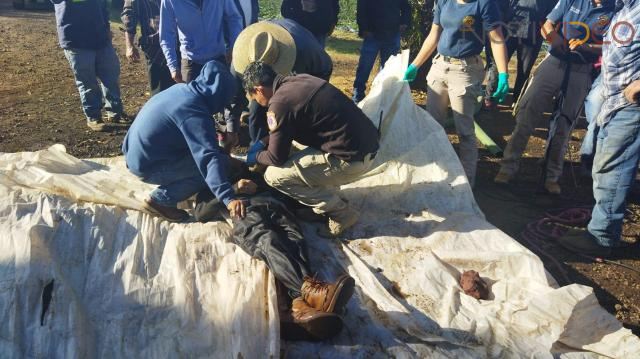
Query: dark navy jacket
(82, 24)
(177, 123)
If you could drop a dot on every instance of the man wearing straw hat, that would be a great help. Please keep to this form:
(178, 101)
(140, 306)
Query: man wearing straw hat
(288, 47)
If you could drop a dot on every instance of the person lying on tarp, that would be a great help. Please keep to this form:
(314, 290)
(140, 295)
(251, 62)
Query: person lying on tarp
(269, 231)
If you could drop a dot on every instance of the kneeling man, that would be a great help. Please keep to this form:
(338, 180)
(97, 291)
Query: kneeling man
(341, 140)
(172, 143)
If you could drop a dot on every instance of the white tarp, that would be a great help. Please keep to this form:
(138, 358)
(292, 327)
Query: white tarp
(126, 284)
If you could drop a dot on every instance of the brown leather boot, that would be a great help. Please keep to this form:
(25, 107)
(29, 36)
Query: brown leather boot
(328, 297)
(306, 323)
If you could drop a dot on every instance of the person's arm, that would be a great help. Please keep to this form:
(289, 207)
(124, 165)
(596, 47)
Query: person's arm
(499, 49)
(212, 162)
(168, 39)
(632, 92)
(130, 21)
(548, 30)
(280, 138)
(233, 21)
(428, 46)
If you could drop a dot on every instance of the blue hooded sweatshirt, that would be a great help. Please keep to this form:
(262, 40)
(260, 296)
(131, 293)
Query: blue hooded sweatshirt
(177, 122)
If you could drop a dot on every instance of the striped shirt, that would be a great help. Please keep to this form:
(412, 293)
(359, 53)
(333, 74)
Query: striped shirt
(620, 57)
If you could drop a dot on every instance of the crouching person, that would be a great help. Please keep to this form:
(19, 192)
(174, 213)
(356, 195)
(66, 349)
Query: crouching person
(172, 143)
(269, 232)
(342, 142)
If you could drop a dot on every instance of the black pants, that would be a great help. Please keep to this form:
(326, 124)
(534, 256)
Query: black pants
(527, 53)
(159, 74)
(269, 232)
(257, 121)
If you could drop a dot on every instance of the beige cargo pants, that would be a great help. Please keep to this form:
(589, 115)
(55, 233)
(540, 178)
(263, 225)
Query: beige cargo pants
(538, 98)
(312, 177)
(457, 82)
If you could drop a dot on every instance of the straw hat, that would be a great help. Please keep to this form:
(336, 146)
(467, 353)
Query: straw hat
(267, 42)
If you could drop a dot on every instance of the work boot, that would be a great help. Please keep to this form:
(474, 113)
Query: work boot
(328, 297)
(120, 118)
(503, 178)
(171, 214)
(552, 187)
(339, 222)
(580, 241)
(96, 124)
(307, 323)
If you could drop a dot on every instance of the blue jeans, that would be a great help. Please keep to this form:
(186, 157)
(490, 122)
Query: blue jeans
(592, 105)
(177, 181)
(370, 48)
(614, 169)
(90, 65)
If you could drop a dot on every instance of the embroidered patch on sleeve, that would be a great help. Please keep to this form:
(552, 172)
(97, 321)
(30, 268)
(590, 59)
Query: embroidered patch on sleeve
(272, 121)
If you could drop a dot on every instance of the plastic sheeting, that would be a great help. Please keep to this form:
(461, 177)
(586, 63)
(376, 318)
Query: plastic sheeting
(84, 273)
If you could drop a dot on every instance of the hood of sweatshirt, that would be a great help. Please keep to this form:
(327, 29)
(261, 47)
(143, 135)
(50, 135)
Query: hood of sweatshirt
(215, 85)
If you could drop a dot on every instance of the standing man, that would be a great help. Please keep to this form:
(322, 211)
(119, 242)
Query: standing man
(523, 19)
(341, 140)
(380, 24)
(147, 14)
(206, 31)
(84, 34)
(618, 147)
(574, 49)
(172, 143)
(287, 47)
(318, 16)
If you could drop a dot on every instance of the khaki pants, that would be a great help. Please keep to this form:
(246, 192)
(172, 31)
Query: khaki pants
(545, 84)
(458, 83)
(312, 177)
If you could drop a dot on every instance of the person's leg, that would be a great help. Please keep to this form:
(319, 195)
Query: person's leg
(264, 234)
(437, 91)
(257, 121)
(311, 176)
(537, 99)
(528, 50)
(464, 83)
(491, 73)
(84, 70)
(492, 68)
(190, 70)
(108, 71)
(577, 89)
(177, 182)
(159, 74)
(368, 53)
(614, 169)
(592, 105)
(388, 48)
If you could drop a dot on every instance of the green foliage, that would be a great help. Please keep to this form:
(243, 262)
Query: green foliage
(421, 19)
(270, 9)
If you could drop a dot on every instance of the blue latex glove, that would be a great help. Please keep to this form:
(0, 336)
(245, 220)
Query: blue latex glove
(503, 87)
(411, 73)
(253, 152)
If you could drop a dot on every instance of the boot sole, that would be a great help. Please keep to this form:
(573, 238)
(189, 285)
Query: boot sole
(154, 212)
(343, 293)
(323, 328)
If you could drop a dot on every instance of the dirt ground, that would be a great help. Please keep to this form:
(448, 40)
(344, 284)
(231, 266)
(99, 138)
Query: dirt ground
(40, 106)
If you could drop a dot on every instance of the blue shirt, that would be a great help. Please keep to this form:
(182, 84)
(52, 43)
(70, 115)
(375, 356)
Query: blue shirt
(581, 19)
(464, 26)
(82, 24)
(206, 29)
(620, 58)
(177, 123)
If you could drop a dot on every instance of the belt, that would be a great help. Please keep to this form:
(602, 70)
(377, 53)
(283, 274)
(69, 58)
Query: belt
(463, 61)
